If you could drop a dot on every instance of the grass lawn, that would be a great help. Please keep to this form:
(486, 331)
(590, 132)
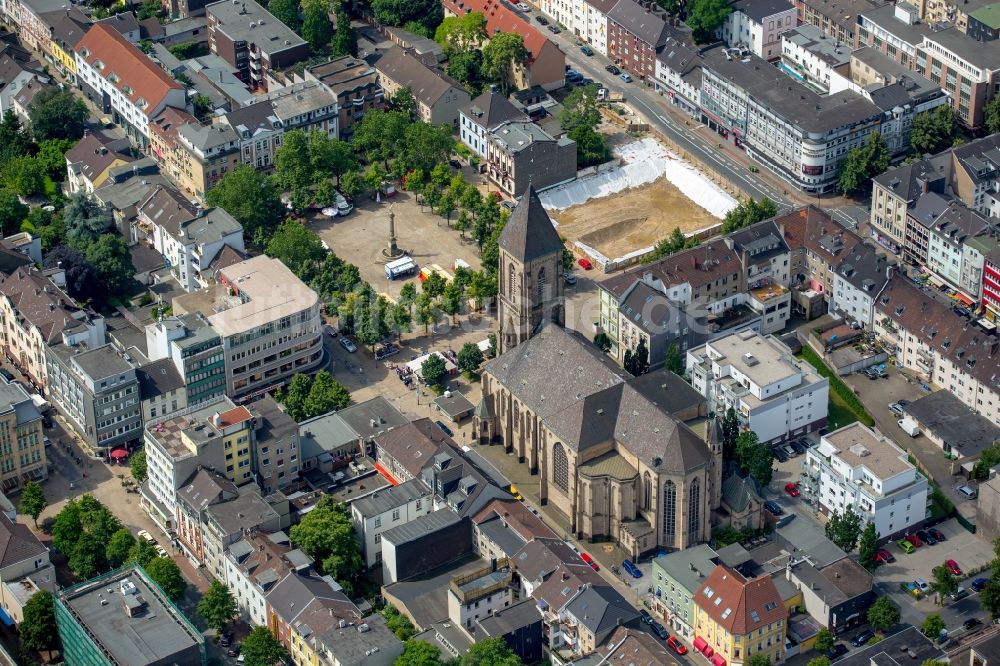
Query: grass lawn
(844, 408)
(839, 414)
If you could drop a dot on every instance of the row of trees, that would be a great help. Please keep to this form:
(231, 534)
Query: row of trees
(308, 396)
(745, 449)
(311, 20)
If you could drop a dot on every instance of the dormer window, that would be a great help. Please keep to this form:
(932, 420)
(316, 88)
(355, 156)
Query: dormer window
(127, 90)
(99, 65)
(113, 77)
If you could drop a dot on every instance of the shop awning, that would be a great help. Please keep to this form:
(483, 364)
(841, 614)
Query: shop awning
(119, 454)
(708, 651)
(962, 298)
(388, 477)
(699, 643)
(718, 660)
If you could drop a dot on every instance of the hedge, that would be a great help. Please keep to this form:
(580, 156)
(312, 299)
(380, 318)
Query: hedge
(841, 389)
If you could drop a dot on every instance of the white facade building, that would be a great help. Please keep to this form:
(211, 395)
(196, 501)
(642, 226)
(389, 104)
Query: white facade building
(774, 394)
(857, 467)
(590, 22)
(483, 114)
(858, 281)
(758, 24)
(384, 509)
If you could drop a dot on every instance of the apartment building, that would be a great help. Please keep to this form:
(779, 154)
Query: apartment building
(25, 567)
(858, 281)
(735, 618)
(438, 96)
(259, 131)
(678, 76)
(161, 390)
(545, 64)
(948, 257)
(195, 349)
(776, 395)
(254, 565)
(22, 449)
(758, 26)
(277, 447)
(307, 106)
(189, 237)
(119, 78)
(478, 118)
(91, 160)
(97, 389)
(636, 33)
(837, 18)
(984, 23)
(519, 153)
(194, 156)
(966, 69)
(249, 38)
(857, 467)
(268, 320)
(353, 82)
(812, 56)
(784, 125)
(383, 509)
(676, 578)
(894, 30)
(590, 22)
(35, 313)
(32, 20)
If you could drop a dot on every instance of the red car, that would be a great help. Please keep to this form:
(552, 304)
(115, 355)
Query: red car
(883, 556)
(953, 567)
(676, 645)
(792, 489)
(589, 560)
(585, 263)
(915, 540)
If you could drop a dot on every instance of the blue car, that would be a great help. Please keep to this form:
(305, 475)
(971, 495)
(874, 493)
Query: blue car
(772, 508)
(979, 583)
(632, 569)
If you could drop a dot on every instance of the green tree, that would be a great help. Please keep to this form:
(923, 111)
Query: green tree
(754, 458)
(400, 320)
(12, 212)
(602, 341)
(423, 311)
(404, 102)
(758, 659)
(672, 7)
(398, 12)
(730, 434)
(112, 260)
(933, 131)
(57, 114)
(883, 614)
(818, 661)
(149, 9)
(467, 68)
(87, 559)
(868, 547)
(824, 641)
(580, 109)
(316, 27)
(418, 653)
(408, 294)
(249, 196)
(398, 623)
(433, 370)
(426, 145)
(345, 38)
(706, 16)
(637, 362)
(992, 110)
(14, 139)
(461, 34)
(943, 582)
(325, 395)
(591, 148)
(292, 168)
(351, 184)
(748, 212)
(326, 534)
(67, 526)
(24, 175)
(261, 648)
(52, 157)
(844, 528)
(37, 629)
(142, 553)
(505, 51)
(286, 11)
(329, 156)
(673, 361)
(490, 652)
(989, 596)
(932, 626)
(673, 243)
(297, 247)
(117, 550)
(32, 501)
(862, 164)
(470, 357)
(379, 135)
(294, 397)
(137, 465)
(165, 573)
(217, 606)
(86, 220)
(451, 300)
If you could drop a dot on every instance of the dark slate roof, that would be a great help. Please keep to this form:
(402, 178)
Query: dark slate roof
(17, 542)
(667, 391)
(648, 26)
(158, 378)
(508, 620)
(737, 492)
(490, 109)
(601, 608)
(529, 233)
(954, 422)
(758, 10)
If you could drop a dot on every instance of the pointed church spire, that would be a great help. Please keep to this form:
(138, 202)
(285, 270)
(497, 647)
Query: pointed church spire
(529, 233)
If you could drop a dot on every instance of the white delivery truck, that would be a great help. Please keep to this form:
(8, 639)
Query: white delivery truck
(400, 267)
(909, 426)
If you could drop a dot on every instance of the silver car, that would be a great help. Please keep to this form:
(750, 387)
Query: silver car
(348, 345)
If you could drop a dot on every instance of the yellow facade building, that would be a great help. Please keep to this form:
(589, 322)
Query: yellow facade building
(735, 618)
(66, 33)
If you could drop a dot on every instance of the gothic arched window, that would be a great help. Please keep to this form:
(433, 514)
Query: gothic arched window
(540, 289)
(511, 280)
(694, 511)
(669, 512)
(560, 467)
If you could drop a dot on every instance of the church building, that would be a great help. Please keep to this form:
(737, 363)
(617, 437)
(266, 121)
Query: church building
(619, 456)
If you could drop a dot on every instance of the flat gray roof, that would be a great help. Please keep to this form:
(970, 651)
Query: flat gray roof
(102, 362)
(512, 618)
(952, 421)
(391, 498)
(247, 21)
(423, 525)
(158, 634)
(689, 567)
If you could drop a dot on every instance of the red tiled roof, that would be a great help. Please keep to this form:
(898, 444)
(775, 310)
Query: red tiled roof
(234, 416)
(500, 18)
(131, 66)
(517, 517)
(737, 604)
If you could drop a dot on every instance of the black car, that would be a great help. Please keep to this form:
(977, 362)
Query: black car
(780, 455)
(611, 69)
(972, 622)
(773, 508)
(541, 19)
(5, 373)
(799, 446)
(455, 164)
(926, 538)
(227, 639)
(554, 29)
(838, 649)
(447, 430)
(645, 616)
(862, 638)
(659, 630)
(937, 534)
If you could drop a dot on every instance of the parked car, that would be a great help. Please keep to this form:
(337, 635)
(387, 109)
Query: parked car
(523, 6)
(972, 623)
(5, 373)
(883, 556)
(541, 19)
(589, 560)
(905, 546)
(227, 639)
(348, 345)
(967, 492)
(979, 583)
(674, 644)
(959, 593)
(772, 508)
(630, 567)
(953, 567)
(554, 29)
(573, 75)
(800, 446)
(780, 455)
(792, 489)
(611, 69)
(587, 51)
(925, 537)
(444, 428)
(911, 589)
(330, 330)
(922, 585)
(624, 76)
(160, 552)
(659, 630)
(584, 263)
(914, 539)
(863, 638)
(789, 450)
(838, 650)
(569, 278)
(896, 409)
(937, 534)
(963, 312)
(146, 536)
(645, 616)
